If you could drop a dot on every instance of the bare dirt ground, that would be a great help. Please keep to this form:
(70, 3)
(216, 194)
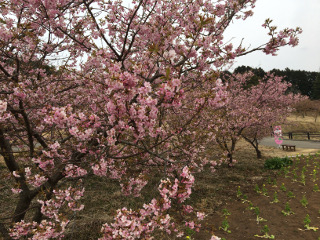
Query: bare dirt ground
(248, 174)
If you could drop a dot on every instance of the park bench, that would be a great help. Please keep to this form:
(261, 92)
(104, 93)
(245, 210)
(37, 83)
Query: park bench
(288, 147)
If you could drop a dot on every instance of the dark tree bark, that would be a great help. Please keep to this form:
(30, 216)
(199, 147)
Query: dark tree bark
(255, 145)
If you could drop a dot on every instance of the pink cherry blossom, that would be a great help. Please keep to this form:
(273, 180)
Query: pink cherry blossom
(121, 91)
(213, 237)
(3, 106)
(16, 190)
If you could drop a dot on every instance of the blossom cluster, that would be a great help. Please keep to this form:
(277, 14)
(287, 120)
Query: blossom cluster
(56, 223)
(130, 224)
(3, 106)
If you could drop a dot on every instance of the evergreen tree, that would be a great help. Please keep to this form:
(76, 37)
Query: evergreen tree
(316, 88)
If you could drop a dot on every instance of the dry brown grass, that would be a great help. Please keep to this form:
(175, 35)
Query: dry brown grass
(297, 123)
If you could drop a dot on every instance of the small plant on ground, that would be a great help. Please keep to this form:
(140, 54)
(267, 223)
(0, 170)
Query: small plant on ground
(303, 179)
(287, 210)
(314, 175)
(264, 191)
(307, 161)
(295, 175)
(257, 212)
(304, 169)
(257, 189)
(304, 201)
(239, 193)
(225, 212)
(290, 195)
(266, 235)
(316, 188)
(283, 187)
(286, 171)
(225, 225)
(275, 198)
(244, 198)
(307, 222)
(251, 207)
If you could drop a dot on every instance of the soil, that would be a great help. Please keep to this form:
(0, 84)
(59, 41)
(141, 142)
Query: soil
(243, 221)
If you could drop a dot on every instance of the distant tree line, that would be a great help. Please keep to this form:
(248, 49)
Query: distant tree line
(305, 82)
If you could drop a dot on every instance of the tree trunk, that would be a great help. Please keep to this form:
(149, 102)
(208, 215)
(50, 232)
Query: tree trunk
(230, 158)
(256, 147)
(230, 153)
(22, 206)
(37, 215)
(255, 144)
(259, 155)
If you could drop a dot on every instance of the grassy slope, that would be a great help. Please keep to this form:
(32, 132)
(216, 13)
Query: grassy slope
(297, 123)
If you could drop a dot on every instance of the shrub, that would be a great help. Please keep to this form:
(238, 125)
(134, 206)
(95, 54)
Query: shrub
(277, 162)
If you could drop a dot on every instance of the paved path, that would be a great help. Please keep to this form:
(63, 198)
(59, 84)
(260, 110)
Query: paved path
(269, 141)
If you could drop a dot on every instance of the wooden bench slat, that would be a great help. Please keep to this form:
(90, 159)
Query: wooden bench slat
(288, 147)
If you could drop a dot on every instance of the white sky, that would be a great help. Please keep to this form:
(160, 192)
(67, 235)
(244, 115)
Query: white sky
(284, 13)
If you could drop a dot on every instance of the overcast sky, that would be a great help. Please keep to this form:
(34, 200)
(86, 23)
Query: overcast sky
(285, 13)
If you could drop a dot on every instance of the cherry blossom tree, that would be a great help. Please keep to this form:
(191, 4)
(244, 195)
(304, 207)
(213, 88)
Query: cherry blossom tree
(96, 87)
(249, 112)
(284, 105)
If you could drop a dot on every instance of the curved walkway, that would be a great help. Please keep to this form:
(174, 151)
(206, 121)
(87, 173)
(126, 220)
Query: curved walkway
(269, 141)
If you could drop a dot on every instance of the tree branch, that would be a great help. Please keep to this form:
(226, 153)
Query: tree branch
(100, 32)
